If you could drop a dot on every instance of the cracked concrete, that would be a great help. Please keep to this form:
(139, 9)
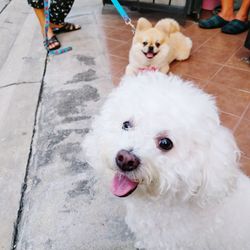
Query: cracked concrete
(16, 127)
(3, 5)
(52, 198)
(15, 84)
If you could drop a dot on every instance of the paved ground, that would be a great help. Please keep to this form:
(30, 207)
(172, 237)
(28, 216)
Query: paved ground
(50, 198)
(3, 4)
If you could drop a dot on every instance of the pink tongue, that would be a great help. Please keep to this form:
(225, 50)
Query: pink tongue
(150, 55)
(122, 185)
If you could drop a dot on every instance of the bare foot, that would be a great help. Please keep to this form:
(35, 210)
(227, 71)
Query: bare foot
(228, 16)
(241, 17)
(54, 26)
(67, 26)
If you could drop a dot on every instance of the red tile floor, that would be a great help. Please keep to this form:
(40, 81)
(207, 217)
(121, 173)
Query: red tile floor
(215, 65)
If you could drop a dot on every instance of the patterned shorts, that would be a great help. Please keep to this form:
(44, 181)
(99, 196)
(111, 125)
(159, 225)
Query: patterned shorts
(59, 9)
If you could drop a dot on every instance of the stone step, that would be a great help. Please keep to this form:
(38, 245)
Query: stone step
(12, 19)
(21, 70)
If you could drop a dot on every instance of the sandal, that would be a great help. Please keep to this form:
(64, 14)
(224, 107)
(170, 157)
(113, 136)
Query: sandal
(213, 22)
(235, 27)
(53, 40)
(67, 27)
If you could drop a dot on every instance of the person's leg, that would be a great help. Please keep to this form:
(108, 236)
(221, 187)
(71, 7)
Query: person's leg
(41, 18)
(240, 23)
(58, 12)
(242, 14)
(224, 16)
(227, 10)
(38, 6)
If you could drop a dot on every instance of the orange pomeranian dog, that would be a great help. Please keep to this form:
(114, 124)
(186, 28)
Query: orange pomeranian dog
(156, 47)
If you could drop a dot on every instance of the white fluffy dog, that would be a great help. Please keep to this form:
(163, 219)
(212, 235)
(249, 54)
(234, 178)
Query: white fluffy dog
(160, 140)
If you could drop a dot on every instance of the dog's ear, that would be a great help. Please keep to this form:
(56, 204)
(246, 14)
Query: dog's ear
(143, 24)
(168, 26)
(221, 166)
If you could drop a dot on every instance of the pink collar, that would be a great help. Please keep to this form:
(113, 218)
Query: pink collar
(148, 68)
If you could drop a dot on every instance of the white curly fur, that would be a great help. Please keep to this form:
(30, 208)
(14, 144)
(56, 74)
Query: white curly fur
(193, 197)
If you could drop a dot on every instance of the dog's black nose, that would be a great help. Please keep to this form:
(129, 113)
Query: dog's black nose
(126, 160)
(150, 48)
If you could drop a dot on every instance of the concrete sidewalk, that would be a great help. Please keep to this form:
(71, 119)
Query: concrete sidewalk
(50, 197)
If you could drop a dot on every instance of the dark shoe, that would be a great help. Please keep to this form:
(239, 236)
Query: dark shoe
(67, 27)
(213, 22)
(52, 41)
(235, 27)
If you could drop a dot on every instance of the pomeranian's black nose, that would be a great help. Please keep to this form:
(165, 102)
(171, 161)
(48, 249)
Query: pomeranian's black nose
(150, 48)
(126, 160)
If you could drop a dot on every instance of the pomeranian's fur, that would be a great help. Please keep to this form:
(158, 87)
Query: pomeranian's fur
(156, 47)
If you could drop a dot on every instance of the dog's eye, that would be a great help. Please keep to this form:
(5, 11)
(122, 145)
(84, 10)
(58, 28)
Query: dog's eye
(127, 125)
(165, 144)
(145, 43)
(157, 44)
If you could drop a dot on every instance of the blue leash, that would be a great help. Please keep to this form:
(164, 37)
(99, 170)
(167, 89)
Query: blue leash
(123, 14)
(47, 23)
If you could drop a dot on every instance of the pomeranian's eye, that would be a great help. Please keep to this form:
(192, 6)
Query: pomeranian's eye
(157, 44)
(127, 125)
(145, 43)
(165, 144)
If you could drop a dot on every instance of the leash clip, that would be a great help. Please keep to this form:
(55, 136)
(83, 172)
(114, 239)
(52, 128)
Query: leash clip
(129, 22)
(123, 14)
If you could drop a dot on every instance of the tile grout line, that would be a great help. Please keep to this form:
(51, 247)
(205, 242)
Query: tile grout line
(241, 117)
(204, 42)
(231, 114)
(225, 63)
(232, 55)
(24, 185)
(118, 57)
(222, 65)
(217, 72)
(114, 40)
(232, 66)
(229, 87)
(246, 157)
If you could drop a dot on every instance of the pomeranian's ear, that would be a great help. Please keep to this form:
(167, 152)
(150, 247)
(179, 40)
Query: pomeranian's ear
(143, 24)
(168, 26)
